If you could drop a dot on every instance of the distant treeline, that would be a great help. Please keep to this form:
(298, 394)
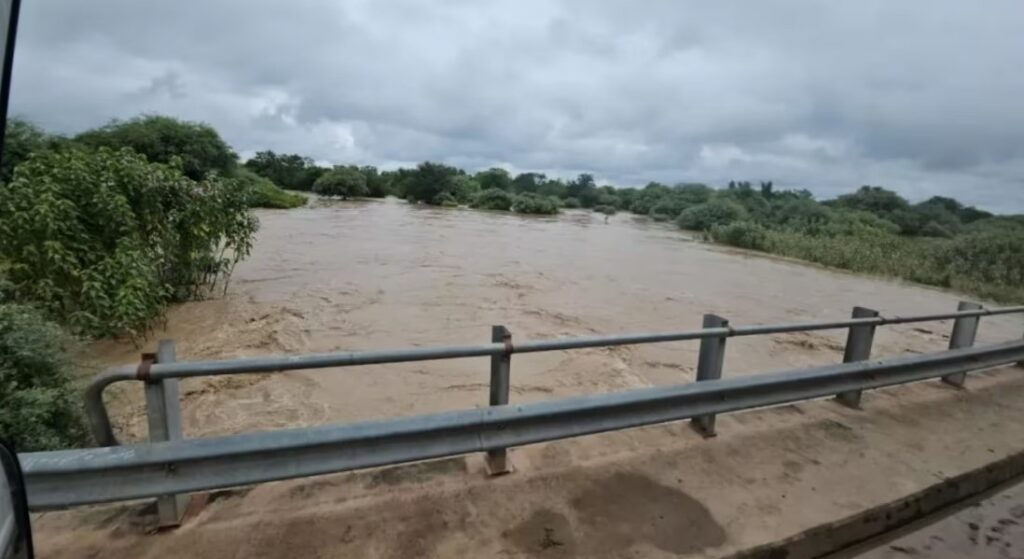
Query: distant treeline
(438, 184)
(938, 241)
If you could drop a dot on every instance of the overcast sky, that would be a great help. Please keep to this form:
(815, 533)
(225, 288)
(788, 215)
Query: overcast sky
(926, 97)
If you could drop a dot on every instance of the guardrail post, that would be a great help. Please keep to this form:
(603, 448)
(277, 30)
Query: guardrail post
(497, 459)
(163, 412)
(858, 348)
(964, 330)
(709, 367)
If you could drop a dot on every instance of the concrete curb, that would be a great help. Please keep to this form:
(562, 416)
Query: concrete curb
(841, 534)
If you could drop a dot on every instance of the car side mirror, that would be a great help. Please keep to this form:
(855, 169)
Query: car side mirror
(15, 525)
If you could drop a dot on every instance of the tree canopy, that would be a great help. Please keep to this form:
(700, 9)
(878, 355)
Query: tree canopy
(162, 139)
(290, 171)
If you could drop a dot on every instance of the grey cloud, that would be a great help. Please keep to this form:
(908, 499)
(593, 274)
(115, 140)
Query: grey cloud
(921, 96)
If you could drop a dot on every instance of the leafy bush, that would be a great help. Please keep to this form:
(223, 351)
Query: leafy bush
(743, 234)
(857, 223)
(493, 199)
(40, 406)
(718, 211)
(694, 193)
(668, 209)
(103, 240)
(800, 214)
(445, 199)
(464, 189)
(21, 140)
(571, 203)
(527, 203)
(347, 182)
(754, 203)
(162, 139)
(608, 200)
(933, 229)
(264, 194)
(646, 198)
(605, 209)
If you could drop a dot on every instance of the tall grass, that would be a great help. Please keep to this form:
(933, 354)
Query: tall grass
(988, 265)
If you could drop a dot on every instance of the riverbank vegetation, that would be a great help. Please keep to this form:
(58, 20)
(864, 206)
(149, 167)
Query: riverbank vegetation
(99, 233)
(938, 241)
(41, 407)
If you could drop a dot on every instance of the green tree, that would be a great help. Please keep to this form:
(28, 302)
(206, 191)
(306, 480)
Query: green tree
(161, 139)
(398, 181)
(464, 189)
(290, 171)
(428, 180)
(970, 214)
(626, 197)
(528, 182)
(583, 189)
(377, 184)
(347, 182)
(875, 199)
(103, 240)
(648, 197)
(553, 187)
(495, 177)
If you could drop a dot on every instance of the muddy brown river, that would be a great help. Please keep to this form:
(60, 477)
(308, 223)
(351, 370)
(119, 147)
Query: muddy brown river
(385, 274)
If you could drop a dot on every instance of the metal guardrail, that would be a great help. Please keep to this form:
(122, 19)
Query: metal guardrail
(76, 477)
(103, 433)
(168, 466)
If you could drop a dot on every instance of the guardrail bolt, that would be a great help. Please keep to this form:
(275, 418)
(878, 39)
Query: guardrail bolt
(163, 413)
(965, 329)
(497, 459)
(858, 348)
(709, 367)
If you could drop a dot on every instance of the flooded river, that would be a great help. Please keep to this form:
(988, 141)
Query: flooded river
(385, 274)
